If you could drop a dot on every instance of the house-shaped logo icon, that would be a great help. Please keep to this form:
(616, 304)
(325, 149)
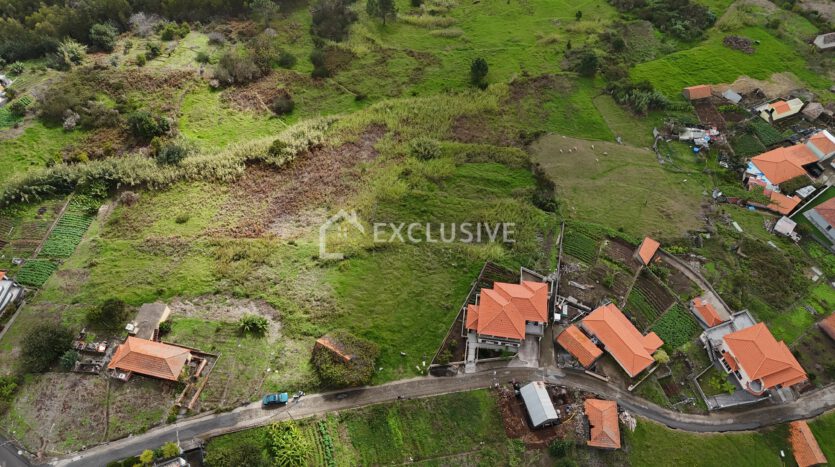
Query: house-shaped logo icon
(342, 221)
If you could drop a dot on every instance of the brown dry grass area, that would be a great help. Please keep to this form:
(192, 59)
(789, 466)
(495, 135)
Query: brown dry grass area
(288, 201)
(220, 308)
(255, 96)
(778, 85)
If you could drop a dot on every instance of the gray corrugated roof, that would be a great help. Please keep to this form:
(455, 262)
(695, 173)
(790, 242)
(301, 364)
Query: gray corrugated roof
(538, 402)
(732, 96)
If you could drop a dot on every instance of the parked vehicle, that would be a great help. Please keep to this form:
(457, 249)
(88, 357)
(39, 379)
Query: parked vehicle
(279, 398)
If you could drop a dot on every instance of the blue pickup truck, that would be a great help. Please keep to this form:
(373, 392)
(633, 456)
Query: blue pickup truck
(275, 399)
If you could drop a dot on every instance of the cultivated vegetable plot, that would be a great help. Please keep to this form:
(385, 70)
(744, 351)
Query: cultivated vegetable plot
(580, 246)
(640, 308)
(677, 327)
(35, 272)
(766, 133)
(68, 232)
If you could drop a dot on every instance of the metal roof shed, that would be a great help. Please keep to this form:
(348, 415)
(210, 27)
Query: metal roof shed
(538, 403)
(732, 96)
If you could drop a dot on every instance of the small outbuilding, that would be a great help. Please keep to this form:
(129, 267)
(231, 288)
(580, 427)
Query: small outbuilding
(827, 325)
(147, 320)
(538, 403)
(579, 346)
(825, 41)
(805, 447)
(646, 250)
(602, 416)
(732, 96)
(694, 93)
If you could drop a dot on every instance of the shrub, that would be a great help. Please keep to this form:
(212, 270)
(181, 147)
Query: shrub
(182, 218)
(68, 360)
(42, 345)
(247, 453)
(17, 108)
(790, 186)
(141, 60)
(253, 325)
(478, 71)
(144, 125)
(236, 66)
(172, 153)
(286, 60)
(152, 50)
(147, 456)
(335, 371)
(424, 148)
(112, 314)
(103, 36)
(165, 327)
(171, 31)
(8, 389)
(282, 104)
(320, 68)
(216, 38)
(70, 53)
(16, 68)
(202, 57)
(587, 64)
(559, 448)
(331, 19)
(170, 449)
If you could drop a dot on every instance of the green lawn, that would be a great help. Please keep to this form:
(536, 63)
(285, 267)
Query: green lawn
(712, 63)
(823, 428)
(650, 199)
(652, 444)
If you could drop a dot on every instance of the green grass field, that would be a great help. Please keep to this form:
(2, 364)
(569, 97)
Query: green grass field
(36, 146)
(651, 200)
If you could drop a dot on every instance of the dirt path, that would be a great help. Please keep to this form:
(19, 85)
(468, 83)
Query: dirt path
(710, 295)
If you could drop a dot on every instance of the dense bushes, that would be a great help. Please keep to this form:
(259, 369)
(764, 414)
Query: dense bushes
(639, 97)
(144, 125)
(246, 453)
(424, 149)
(70, 53)
(282, 104)
(335, 371)
(42, 346)
(331, 19)
(254, 325)
(478, 72)
(112, 314)
(683, 19)
(237, 66)
(103, 36)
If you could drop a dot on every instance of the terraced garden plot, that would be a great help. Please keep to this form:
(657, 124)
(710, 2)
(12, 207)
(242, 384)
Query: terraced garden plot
(580, 246)
(766, 133)
(655, 292)
(35, 272)
(746, 145)
(621, 252)
(641, 309)
(67, 233)
(677, 327)
(24, 248)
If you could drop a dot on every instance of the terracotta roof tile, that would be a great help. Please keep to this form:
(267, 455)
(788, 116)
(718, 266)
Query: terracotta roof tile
(780, 107)
(783, 164)
(782, 203)
(604, 431)
(150, 358)
(823, 142)
(503, 310)
(804, 445)
(579, 345)
(706, 312)
(333, 347)
(697, 92)
(827, 325)
(621, 339)
(764, 358)
(647, 249)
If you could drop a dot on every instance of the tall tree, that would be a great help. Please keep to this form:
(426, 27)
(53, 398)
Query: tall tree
(265, 10)
(381, 9)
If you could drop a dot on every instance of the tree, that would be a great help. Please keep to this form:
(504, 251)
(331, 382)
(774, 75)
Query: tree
(478, 71)
(578, 15)
(172, 153)
(42, 345)
(112, 314)
(70, 53)
(382, 9)
(152, 50)
(331, 19)
(282, 104)
(103, 36)
(286, 444)
(68, 360)
(170, 449)
(253, 324)
(661, 356)
(587, 66)
(145, 126)
(147, 457)
(266, 10)
(236, 66)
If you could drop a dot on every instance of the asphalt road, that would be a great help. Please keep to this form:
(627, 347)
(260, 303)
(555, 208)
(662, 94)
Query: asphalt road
(9, 456)
(253, 415)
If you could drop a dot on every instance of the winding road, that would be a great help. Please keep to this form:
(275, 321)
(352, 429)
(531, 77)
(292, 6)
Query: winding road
(252, 415)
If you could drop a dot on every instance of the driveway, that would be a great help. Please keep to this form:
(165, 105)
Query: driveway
(528, 355)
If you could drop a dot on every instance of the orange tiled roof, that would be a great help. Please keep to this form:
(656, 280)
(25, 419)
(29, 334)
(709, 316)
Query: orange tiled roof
(604, 431)
(761, 356)
(804, 445)
(827, 325)
(783, 164)
(782, 203)
(647, 249)
(698, 92)
(780, 107)
(150, 358)
(827, 210)
(325, 342)
(621, 339)
(822, 142)
(579, 345)
(730, 361)
(503, 310)
(2, 275)
(707, 312)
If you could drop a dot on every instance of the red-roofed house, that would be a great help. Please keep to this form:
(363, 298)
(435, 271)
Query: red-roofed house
(646, 250)
(782, 164)
(805, 447)
(145, 357)
(822, 216)
(579, 345)
(621, 339)
(602, 416)
(505, 314)
(705, 312)
(693, 93)
(822, 144)
(760, 362)
(782, 204)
